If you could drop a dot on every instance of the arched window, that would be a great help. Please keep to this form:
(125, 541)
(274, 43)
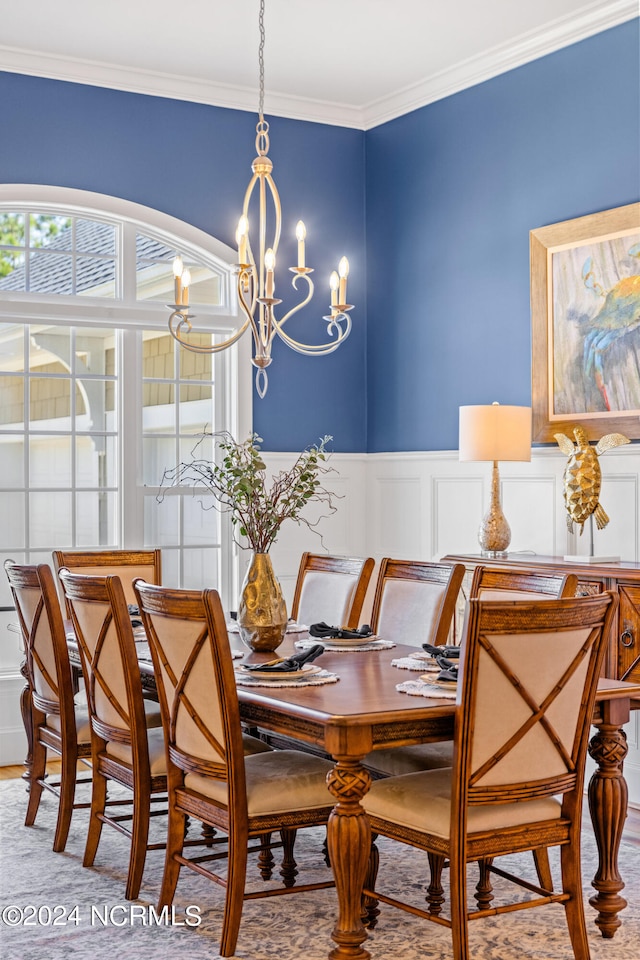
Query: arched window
(96, 398)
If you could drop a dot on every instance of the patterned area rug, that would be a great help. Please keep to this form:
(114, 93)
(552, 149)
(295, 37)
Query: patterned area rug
(35, 881)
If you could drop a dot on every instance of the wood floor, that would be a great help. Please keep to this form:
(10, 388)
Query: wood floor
(631, 827)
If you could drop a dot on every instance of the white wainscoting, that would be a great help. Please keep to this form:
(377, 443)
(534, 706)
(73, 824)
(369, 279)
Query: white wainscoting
(425, 505)
(422, 506)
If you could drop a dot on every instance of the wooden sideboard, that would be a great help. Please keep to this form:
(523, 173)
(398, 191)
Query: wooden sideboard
(623, 660)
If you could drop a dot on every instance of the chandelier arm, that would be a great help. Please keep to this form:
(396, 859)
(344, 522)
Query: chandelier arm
(248, 310)
(275, 196)
(253, 281)
(195, 348)
(259, 348)
(247, 195)
(278, 324)
(319, 349)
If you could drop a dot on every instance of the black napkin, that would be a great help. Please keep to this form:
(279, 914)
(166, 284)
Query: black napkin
(448, 651)
(295, 662)
(134, 612)
(448, 670)
(323, 631)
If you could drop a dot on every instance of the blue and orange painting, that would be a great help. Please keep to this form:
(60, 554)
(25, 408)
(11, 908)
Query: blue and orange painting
(595, 328)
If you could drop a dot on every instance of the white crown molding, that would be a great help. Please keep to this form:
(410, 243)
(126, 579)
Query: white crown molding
(174, 87)
(529, 46)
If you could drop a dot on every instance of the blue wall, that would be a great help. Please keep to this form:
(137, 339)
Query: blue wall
(448, 195)
(194, 162)
(453, 190)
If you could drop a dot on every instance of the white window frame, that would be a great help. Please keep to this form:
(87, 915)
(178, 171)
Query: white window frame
(233, 381)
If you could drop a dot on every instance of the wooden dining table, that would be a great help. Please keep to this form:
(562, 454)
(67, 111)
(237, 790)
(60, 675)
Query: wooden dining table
(364, 711)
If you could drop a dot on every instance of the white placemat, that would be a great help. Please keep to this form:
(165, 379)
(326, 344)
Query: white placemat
(374, 644)
(315, 681)
(415, 663)
(417, 688)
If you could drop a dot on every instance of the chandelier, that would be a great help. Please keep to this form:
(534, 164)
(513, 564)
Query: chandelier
(255, 271)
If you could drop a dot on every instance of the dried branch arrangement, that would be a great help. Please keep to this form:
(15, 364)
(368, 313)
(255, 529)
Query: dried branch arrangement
(237, 479)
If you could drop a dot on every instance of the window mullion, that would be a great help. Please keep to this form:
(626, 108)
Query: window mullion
(130, 446)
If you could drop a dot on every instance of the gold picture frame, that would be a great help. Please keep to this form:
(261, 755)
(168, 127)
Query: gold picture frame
(585, 325)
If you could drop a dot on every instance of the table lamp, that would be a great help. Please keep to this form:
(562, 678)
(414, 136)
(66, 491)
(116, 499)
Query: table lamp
(494, 432)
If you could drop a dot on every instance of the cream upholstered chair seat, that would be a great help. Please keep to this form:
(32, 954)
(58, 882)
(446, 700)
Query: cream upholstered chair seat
(152, 713)
(422, 801)
(276, 782)
(83, 725)
(155, 741)
(253, 745)
(528, 679)
(394, 761)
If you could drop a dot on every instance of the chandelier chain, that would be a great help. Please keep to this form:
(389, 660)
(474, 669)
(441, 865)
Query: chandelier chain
(261, 61)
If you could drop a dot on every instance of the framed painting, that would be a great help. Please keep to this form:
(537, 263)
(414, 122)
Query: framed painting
(585, 313)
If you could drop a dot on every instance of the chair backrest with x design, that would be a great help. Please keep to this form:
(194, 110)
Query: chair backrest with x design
(47, 659)
(415, 600)
(529, 677)
(196, 685)
(102, 625)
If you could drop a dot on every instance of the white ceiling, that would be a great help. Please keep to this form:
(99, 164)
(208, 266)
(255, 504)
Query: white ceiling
(349, 62)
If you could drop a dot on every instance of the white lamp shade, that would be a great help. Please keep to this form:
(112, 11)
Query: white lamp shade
(495, 432)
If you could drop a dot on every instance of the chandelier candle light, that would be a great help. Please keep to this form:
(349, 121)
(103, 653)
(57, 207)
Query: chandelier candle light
(494, 433)
(256, 276)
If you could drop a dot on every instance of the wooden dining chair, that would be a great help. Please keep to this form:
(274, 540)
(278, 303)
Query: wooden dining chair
(414, 604)
(126, 564)
(331, 589)
(123, 748)
(495, 583)
(208, 775)
(488, 583)
(414, 601)
(528, 683)
(54, 719)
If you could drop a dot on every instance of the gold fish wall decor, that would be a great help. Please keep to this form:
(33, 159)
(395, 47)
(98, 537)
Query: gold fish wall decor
(583, 478)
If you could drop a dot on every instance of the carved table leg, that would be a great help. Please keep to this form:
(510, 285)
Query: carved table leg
(27, 719)
(349, 843)
(608, 806)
